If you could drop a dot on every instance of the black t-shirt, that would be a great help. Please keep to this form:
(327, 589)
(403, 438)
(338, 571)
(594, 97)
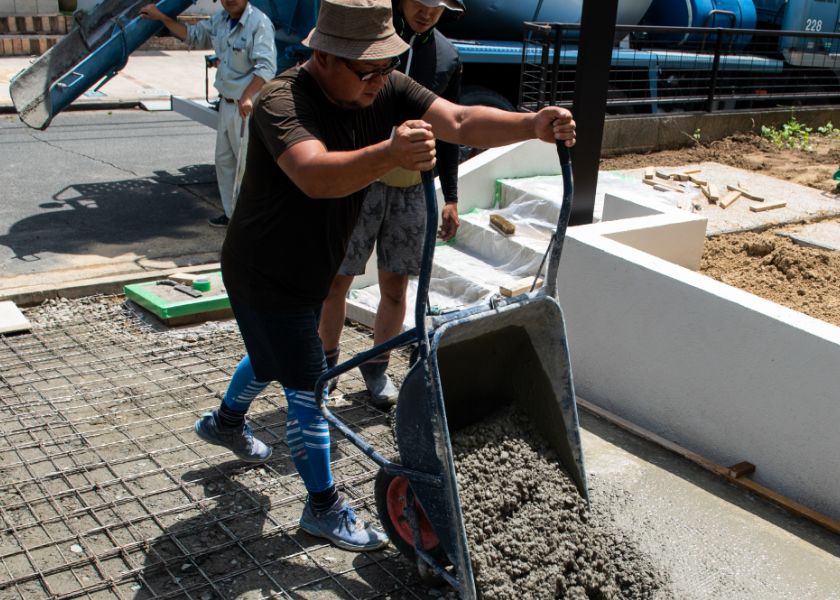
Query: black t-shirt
(283, 248)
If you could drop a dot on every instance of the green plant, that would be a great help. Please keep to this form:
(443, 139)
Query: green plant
(793, 135)
(828, 129)
(696, 135)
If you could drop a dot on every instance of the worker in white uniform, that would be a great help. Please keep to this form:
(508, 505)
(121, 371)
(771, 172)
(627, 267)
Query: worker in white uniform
(243, 40)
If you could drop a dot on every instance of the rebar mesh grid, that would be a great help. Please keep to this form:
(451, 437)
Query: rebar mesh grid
(107, 493)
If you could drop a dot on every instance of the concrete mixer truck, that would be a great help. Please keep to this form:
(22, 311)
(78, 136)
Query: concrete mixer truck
(667, 51)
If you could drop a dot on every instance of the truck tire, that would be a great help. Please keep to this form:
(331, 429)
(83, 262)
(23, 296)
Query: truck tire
(476, 95)
(472, 95)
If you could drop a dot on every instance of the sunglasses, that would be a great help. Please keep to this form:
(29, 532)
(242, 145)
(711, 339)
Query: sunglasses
(370, 75)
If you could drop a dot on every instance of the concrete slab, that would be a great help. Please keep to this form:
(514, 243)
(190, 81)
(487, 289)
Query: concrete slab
(802, 202)
(712, 539)
(156, 105)
(816, 235)
(11, 319)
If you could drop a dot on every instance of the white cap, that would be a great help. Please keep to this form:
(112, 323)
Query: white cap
(455, 5)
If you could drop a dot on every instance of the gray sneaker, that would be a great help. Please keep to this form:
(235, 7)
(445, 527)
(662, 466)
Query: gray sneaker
(383, 392)
(239, 440)
(342, 527)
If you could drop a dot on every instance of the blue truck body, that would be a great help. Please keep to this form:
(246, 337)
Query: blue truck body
(488, 37)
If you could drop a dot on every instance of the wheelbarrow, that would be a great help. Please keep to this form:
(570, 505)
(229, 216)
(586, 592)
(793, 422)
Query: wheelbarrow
(469, 363)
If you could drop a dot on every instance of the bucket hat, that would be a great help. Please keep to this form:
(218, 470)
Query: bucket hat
(455, 5)
(356, 30)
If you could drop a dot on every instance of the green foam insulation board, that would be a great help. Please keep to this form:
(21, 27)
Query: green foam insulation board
(169, 302)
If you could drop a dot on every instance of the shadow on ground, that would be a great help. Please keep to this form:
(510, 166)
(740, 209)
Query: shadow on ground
(161, 216)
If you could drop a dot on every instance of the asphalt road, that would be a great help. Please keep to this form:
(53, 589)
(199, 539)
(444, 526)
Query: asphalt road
(105, 192)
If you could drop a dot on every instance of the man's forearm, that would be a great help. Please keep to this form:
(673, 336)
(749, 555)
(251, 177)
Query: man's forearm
(176, 28)
(337, 174)
(486, 127)
(255, 86)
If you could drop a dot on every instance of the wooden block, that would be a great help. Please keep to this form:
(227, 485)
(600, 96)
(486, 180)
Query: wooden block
(649, 173)
(691, 171)
(697, 180)
(680, 176)
(520, 286)
(664, 185)
(745, 193)
(729, 199)
(764, 207)
(711, 192)
(741, 469)
(502, 224)
(663, 175)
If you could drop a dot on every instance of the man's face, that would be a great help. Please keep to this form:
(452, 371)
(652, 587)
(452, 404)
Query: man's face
(234, 8)
(356, 83)
(420, 17)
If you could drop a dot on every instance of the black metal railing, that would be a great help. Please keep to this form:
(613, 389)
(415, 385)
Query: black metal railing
(686, 68)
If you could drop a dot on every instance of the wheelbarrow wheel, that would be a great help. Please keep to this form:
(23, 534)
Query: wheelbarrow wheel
(391, 495)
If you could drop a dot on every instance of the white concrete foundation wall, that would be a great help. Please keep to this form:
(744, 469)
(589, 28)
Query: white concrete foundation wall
(715, 369)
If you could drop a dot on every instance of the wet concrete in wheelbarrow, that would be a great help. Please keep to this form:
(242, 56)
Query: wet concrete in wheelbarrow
(530, 532)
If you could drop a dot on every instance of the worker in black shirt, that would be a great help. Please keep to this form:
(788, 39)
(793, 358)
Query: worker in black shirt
(393, 213)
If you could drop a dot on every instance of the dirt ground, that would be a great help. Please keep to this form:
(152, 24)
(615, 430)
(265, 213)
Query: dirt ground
(764, 263)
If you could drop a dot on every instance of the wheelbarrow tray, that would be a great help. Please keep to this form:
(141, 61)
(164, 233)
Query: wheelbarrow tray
(482, 360)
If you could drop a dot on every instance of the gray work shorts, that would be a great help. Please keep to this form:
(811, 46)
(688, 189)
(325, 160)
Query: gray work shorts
(394, 218)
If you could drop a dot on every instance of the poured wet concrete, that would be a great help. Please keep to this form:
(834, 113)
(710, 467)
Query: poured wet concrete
(531, 533)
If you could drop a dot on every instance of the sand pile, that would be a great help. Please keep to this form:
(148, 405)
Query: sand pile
(530, 533)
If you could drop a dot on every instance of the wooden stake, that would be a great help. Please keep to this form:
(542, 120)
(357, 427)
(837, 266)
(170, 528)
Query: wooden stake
(764, 207)
(520, 286)
(729, 199)
(711, 192)
(663, 186)
(745, 193)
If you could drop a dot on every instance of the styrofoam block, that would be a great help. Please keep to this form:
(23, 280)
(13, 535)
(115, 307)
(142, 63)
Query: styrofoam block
(11, 319)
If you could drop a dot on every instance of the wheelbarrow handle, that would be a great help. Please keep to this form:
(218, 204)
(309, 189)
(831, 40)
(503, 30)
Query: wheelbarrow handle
(563, 220)
(428, 180)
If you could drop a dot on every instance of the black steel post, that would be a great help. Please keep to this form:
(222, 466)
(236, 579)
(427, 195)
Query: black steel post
(710, 104)
(597, 33)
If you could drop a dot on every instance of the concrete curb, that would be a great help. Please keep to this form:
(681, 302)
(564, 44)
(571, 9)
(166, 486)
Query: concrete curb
(9, 109)
(113, 284)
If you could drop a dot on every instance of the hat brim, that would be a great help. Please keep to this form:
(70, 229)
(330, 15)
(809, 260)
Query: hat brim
(388, 47)
(453, 5)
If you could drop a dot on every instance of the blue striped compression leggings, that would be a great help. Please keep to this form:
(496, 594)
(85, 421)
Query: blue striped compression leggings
(307, 432)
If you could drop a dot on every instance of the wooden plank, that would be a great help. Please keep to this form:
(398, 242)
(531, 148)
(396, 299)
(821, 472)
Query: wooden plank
(649, 173)
(745, 193)
(502, 224)
(729, 199)
(697, 180)
(763, 207)
(740, 469)
(663, 186)
(746, 483)
(520, 286)
(711, 192)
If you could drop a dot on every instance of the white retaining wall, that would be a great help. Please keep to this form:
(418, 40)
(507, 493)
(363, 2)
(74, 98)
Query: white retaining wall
(718, 370)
